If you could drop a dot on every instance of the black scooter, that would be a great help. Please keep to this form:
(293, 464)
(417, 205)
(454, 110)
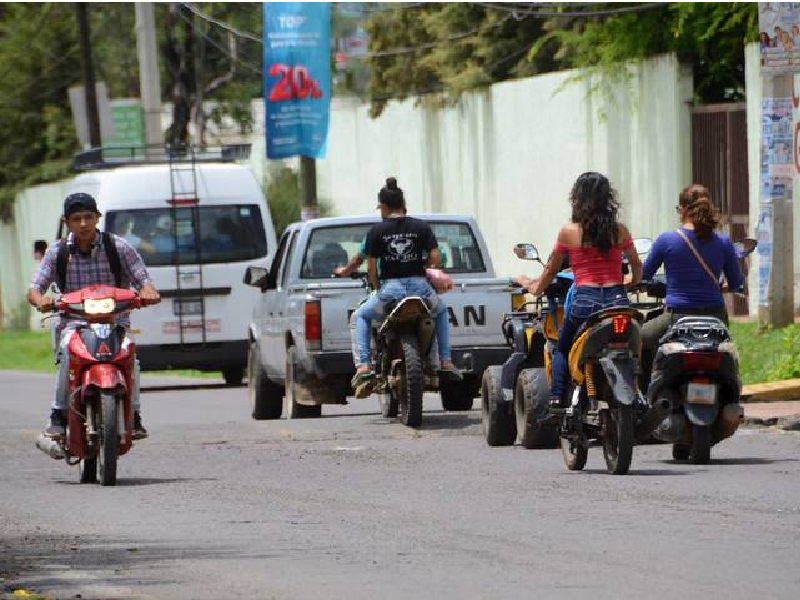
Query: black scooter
(695, 380)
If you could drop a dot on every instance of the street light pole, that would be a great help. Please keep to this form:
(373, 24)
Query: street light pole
(84, 39)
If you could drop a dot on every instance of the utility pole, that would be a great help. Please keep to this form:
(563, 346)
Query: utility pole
(84, 39)
(149, 77)
(308, 177)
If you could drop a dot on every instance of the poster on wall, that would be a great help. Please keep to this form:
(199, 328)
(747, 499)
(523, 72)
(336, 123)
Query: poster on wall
(777, 146)
(297, 78)
(764, 236)
(779, 36)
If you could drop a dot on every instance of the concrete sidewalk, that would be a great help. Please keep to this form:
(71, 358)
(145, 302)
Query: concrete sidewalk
(786, 414)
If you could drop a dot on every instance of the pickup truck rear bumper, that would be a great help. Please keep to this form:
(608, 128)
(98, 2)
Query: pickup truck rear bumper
(469, 360)
(211, 356)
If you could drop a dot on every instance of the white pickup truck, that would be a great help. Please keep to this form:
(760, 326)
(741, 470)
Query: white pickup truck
(299, 338)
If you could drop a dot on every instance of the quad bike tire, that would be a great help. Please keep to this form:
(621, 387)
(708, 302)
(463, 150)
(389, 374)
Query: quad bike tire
(497, 417)
(531, 391)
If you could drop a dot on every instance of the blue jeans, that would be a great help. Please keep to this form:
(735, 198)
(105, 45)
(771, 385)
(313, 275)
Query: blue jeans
(587, 300)
(397, 289)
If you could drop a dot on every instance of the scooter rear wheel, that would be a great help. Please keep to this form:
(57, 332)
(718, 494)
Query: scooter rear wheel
(618, 439)
(574, 453)
(701, 444)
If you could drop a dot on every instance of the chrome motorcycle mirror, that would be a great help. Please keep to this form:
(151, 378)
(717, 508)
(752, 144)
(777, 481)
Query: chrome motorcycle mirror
(642, 245)
(526, 252)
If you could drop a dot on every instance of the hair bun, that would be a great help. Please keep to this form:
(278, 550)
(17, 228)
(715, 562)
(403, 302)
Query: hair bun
(391, 183)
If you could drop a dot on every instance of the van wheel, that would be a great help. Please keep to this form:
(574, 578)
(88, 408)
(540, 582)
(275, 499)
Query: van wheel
(293, 409)
(497, 418)
(530, 408)
(266, 397)
(457, 395)
(233, 375)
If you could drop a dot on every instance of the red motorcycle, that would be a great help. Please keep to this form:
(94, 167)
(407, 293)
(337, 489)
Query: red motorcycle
(101, 371)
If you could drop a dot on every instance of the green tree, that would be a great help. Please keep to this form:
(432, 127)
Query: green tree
(449, 48)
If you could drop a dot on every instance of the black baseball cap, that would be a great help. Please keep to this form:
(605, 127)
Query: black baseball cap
(79, 201)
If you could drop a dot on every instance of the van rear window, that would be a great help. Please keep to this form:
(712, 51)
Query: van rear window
(192, 235)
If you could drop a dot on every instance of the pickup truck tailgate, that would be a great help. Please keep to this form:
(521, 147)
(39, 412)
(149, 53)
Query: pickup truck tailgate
(475, 307)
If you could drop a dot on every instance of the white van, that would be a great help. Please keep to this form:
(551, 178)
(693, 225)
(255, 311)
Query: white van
(198, 225)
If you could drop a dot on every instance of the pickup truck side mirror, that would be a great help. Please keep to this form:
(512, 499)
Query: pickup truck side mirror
(255, 276)
(745, 247)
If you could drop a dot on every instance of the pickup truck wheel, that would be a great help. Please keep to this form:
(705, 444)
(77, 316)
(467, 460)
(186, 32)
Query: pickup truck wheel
(457, 395)
(233, 375)
(266, 397)
(412, 383)
(530, 408)
(497, 416)
(293, 409)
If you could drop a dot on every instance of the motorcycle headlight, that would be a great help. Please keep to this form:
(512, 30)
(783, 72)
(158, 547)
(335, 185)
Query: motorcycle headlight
(729, 348)
(98, 307)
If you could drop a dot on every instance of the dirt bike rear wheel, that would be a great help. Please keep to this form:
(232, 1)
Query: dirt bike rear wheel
(412, 383)
(109, 438)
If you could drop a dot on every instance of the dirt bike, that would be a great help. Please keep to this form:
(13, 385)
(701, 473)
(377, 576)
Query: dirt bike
(695, 379)
(402, 343)
(101, 382)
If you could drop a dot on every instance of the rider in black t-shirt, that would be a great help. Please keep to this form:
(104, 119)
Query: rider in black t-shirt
(401, 243)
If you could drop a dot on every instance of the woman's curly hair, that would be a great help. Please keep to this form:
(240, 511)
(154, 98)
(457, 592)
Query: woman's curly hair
(696, 201)
(594, 208)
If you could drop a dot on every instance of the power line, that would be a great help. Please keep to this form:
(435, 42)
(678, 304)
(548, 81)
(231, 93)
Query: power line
(219, 47)
(577, 14)
(227, 26)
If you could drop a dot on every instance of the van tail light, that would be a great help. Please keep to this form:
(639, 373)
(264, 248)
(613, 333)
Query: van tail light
(701, 361)
(620, 324)
(313, 325)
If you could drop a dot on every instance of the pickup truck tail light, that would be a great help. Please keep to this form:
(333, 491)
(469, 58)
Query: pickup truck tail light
(313, 325)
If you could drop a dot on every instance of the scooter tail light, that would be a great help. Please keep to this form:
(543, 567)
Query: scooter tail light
(620, 324)
(702, 361)
(313, 314)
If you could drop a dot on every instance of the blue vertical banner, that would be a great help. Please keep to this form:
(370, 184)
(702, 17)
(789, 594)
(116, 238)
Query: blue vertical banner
(297, 78)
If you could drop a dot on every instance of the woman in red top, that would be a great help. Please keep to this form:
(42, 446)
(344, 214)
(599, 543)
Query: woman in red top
(594, 242)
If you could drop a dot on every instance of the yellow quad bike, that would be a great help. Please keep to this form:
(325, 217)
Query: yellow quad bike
(603, 392)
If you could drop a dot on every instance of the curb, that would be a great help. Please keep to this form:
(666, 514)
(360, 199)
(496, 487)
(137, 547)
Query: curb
(776, 391)
(783, 423)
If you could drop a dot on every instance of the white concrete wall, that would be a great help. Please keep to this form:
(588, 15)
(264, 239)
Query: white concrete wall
(510, 154)
(36, 214)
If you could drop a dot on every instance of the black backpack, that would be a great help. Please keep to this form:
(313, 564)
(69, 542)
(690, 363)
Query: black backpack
(62, 260)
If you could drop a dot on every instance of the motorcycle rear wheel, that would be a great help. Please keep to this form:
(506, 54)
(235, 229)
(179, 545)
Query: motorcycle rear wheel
(109, 438)
(701, 444)
(618, 436)
(412, 383)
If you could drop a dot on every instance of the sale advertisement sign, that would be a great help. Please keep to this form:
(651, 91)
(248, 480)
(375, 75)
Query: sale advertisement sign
(297, 78)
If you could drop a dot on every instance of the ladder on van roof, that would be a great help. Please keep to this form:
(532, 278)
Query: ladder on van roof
(184, 196)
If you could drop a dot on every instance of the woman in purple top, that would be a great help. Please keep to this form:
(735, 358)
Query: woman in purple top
(690, 288)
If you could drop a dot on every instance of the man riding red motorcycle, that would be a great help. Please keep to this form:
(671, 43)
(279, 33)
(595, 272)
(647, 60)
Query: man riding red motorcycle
(83, 258)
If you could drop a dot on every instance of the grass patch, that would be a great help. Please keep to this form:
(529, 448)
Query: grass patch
(759, 353)
(30, 351)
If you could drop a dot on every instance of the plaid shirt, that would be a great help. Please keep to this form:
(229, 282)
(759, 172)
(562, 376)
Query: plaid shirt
(92, 269)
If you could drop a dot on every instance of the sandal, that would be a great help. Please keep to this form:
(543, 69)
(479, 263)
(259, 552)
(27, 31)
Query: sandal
(451, 373)
(363, 384)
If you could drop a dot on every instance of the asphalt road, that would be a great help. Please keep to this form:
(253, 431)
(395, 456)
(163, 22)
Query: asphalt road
(216, 505)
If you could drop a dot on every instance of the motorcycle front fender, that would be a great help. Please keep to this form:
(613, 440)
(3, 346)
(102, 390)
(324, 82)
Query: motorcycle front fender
(621, 375)
(701, 414)
(105, 377)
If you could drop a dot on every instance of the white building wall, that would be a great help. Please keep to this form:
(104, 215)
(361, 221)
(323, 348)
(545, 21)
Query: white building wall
(509, 155)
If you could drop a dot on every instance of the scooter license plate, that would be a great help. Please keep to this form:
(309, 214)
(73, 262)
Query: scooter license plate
(701, 393)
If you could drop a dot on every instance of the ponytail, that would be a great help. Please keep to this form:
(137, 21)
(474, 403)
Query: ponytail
(696, 201)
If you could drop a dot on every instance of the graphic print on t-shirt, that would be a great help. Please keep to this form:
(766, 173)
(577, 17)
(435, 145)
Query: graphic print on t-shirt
(400, 244)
